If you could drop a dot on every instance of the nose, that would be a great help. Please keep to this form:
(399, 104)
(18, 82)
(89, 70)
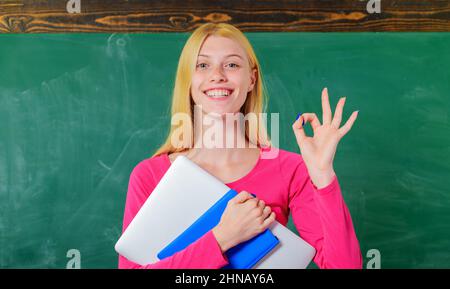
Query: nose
(217, 75)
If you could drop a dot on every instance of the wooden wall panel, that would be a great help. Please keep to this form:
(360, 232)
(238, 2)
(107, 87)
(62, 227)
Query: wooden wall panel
(180, 16)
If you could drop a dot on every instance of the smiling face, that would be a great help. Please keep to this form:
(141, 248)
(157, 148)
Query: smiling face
(222, 77)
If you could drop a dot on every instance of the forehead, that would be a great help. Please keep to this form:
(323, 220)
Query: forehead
(219, 46)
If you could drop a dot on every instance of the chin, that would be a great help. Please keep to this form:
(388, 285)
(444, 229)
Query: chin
(211, 109)
(221, 112)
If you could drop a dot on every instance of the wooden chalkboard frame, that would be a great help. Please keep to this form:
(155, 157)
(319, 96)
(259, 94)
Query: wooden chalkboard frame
(37, 16)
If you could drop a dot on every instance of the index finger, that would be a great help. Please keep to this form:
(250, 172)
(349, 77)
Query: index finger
(326, 109)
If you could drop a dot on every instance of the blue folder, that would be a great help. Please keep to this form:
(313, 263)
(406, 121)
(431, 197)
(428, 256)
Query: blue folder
(243, 256)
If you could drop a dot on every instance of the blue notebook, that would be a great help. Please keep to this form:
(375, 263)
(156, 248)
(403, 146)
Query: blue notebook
(243, 256)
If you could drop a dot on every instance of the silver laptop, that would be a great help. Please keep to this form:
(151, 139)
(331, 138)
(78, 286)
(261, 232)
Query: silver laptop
(184, 193)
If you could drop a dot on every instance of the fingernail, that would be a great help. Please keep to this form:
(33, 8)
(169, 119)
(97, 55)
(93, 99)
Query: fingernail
(298, 115)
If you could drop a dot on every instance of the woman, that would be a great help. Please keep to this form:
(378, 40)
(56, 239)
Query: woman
(219, 73)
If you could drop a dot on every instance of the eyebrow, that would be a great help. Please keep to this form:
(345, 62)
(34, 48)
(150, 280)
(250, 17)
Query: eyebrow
(229, 55)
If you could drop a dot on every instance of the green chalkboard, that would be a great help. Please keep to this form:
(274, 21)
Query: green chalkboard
(79, 111)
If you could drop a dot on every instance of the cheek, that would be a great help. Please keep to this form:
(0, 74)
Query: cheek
(195, 88)
(243, 83)
(242, 79)
(195, 83)
(196, 97)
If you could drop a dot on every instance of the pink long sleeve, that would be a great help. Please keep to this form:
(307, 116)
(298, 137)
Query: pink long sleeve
(205, 253)
(323, 220)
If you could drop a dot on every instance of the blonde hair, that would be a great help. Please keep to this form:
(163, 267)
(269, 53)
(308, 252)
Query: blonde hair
(183, 103)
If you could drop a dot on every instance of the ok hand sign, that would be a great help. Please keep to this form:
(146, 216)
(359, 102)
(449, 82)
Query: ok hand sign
(318, 151)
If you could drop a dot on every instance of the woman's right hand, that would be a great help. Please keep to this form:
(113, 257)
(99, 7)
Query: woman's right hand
(244, 217)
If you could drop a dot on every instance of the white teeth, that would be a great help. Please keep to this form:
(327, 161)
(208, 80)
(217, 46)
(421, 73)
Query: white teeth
(218, 92)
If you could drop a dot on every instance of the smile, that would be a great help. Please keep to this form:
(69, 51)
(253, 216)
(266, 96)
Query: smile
(218, 93)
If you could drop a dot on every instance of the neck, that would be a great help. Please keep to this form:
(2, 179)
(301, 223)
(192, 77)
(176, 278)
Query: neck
(220, 138)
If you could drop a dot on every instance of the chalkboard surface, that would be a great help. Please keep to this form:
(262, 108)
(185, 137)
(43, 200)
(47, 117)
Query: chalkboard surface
(79, 111)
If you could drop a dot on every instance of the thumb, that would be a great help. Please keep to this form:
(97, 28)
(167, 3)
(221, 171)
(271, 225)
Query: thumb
(297, 127)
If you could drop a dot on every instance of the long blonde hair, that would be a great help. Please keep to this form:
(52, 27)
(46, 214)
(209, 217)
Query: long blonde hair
(183, 103)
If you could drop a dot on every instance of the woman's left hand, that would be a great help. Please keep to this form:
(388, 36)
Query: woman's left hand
(318, 151)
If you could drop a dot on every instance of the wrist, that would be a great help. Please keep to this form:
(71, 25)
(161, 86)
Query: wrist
(224, 244)
(323, 179)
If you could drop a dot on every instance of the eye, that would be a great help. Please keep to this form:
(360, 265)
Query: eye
(233, 65)
(202, 65)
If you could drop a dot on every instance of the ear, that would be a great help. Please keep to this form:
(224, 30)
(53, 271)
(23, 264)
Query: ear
(253, 77)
